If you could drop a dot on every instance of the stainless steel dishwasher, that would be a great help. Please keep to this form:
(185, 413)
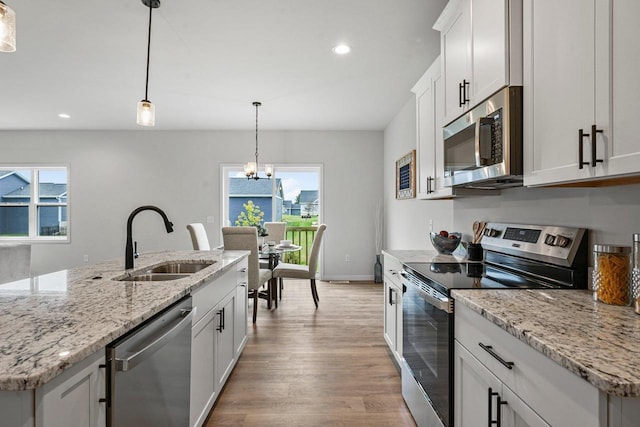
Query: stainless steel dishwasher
(149, 371)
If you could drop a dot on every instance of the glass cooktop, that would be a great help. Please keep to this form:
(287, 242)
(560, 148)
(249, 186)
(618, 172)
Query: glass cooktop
(447, 276)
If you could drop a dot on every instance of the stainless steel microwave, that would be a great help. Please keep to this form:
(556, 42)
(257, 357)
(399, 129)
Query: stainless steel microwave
(483, 147)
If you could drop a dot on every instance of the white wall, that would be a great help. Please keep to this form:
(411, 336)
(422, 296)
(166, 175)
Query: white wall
(611, 214)
(407, 221)
(112, 173)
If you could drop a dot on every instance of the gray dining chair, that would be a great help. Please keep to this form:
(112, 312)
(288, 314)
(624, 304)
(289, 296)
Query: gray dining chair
(246, 238)
(294, 271)
(199, 237)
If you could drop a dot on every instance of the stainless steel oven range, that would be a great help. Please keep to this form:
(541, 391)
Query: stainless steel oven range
(515, 256)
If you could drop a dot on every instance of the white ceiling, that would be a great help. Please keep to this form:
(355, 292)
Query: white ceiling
(211, 58)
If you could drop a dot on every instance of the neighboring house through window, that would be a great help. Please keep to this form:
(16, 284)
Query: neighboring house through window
(34, 203)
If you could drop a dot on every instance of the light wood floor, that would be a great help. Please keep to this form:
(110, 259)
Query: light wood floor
(308, 367)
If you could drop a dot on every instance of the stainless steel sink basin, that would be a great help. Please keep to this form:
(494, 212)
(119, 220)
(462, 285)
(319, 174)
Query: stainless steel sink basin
(180, 267)
(155, 277)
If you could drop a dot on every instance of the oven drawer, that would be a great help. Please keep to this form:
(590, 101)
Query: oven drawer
(557, 395)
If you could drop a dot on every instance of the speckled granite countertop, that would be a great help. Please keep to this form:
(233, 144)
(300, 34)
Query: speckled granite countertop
(427, 256)
(598, 342)
(50, 322)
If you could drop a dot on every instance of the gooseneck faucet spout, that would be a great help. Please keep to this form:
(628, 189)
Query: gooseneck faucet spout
(128, 253)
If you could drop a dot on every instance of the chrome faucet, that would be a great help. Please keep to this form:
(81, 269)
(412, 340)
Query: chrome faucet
(128, 252)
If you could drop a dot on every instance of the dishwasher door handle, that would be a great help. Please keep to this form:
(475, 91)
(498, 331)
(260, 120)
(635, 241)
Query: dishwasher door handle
(135, 359)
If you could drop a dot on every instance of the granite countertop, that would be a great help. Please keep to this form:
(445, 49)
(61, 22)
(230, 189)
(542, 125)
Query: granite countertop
(52, 321)
(596, 341)
(426, 256)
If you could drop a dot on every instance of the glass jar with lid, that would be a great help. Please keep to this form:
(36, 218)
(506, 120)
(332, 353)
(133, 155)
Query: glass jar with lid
(611, 275)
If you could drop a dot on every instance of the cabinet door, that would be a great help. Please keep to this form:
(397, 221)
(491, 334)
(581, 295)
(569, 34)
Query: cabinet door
(73, 398)
(240, 319)
(623, 154)
(456, 57)
(559, 82)
(225, 352)
(489, 50)
(472, 384)
(426, 130)
(390, 315)
(516, 413)
(203, 382)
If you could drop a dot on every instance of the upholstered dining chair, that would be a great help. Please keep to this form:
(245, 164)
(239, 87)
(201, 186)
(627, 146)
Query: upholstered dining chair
(246, 238)
(295, 271)
(198, 236)
(276, 231)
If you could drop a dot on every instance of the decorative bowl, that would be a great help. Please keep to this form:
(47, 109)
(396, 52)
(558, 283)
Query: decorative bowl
(445, 245)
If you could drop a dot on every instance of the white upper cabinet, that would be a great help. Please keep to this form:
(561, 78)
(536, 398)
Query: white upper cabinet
(580, 94)
(481, 45)
(429, 121)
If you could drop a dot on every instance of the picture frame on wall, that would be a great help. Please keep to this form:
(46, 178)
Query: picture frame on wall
(406, 176)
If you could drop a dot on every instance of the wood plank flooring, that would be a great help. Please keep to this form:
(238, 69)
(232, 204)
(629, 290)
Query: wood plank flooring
(308, 367)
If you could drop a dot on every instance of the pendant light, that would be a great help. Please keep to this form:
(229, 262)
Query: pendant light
(7, 28)
(146, 109)
(251, 168)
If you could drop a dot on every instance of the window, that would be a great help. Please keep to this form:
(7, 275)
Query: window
(33, 203)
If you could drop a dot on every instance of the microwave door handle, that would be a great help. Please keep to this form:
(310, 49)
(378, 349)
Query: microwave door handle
(481, 156)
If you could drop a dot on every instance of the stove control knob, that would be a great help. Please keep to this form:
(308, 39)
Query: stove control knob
(550, 240)
(562, 241)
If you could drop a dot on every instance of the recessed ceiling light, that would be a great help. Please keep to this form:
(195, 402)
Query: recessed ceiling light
(64, 116)
(342, 49)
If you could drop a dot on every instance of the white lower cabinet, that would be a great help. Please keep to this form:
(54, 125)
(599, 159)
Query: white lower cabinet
(393, 306)
(218, 337)
(74, 398)
(529, 389)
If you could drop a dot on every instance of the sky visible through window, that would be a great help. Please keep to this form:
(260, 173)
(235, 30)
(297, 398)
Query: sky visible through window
(293, 182)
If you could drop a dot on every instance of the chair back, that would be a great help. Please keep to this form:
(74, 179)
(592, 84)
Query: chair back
(198, 237)
(244, 239)
(276, 230)
(315, 249)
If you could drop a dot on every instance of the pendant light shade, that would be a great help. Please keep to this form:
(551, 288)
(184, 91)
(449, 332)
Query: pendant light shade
(251, 168)
(7, 28)
(146, 110)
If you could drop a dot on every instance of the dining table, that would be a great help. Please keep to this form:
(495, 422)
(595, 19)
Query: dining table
(273, 253)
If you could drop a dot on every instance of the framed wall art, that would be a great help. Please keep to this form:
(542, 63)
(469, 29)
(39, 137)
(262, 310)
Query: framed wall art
(406, 176)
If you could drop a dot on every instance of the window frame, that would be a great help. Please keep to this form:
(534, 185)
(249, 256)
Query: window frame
(35, 204)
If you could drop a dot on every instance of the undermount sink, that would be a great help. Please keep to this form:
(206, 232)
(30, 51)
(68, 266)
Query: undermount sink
(168, 271)
(157, 277)
(180, 267)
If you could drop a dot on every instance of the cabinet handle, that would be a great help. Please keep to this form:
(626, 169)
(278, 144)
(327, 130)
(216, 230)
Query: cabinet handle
(489, 349)
(243, 270)
(594, 133)
(430, 180)
(460, 96)
(465, 85)
(499, 401)
(220, 326)
(581, 136)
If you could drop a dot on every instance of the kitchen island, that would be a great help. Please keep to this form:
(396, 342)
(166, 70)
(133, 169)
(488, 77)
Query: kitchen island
(53, 323)
(574, 361)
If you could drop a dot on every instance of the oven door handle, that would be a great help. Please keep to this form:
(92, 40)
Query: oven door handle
(442, 303)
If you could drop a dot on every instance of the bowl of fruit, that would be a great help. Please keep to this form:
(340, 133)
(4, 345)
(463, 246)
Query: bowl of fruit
(445, 242)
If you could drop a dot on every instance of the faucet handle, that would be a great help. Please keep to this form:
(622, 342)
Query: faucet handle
(135, 250)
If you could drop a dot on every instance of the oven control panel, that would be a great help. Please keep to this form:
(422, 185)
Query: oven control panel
(553, 244)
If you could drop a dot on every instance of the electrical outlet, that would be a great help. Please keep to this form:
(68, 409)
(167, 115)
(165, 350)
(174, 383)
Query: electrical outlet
(85, 258)
(347, 258)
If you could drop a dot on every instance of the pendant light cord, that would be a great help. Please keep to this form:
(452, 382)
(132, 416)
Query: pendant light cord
(257, 104)
(146, 86)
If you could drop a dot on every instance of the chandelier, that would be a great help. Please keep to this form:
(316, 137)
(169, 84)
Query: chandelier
(146, 110)
(7, 28)
(251, 168)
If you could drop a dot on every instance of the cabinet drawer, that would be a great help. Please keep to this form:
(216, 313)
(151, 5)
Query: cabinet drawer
(391, 268)
(557, 395)
(210, 294)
